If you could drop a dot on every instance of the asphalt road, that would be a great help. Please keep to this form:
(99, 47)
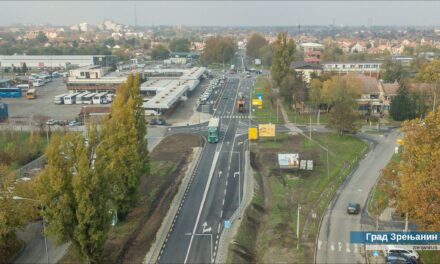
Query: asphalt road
(212, 196)
(334, 235)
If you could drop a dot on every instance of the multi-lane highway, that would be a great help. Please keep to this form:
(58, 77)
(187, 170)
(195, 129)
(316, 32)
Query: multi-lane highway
(213, 195)
(334, 236)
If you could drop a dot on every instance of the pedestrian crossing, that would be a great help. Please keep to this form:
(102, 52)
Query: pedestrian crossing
(233, 116)
(341, 247)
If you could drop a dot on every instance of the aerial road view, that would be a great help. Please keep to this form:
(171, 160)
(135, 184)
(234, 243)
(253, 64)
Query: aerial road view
(219, 132)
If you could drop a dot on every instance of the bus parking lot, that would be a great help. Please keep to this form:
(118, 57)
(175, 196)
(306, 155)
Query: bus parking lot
(42, 106)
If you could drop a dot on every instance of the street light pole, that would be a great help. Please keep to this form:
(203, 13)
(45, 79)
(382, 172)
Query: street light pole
(44, 226)
(297, 226)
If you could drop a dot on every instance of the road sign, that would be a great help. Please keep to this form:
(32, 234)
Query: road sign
(376, 253)
(260, 96)
(266, 130)
(227, 224)
(399, 141)
(257, 102)
(253, 133)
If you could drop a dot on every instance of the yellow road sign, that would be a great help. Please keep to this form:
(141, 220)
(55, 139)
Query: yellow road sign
(257, 102)
(266, 130)
(253, 133)
(399, 141)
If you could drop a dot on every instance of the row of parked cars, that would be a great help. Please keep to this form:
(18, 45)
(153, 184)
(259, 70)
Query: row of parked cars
(394, 254)
(72, 123)
(214, 84)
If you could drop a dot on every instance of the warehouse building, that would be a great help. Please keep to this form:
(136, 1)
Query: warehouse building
(56, 61)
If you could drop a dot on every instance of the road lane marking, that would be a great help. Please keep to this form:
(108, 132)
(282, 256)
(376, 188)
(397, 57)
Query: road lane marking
(221, 213)
(332, 247)
(218, 229)
(348, 248)
(223, 203)
(355, 248)
(339, 246)
(319, 244)
(214, 163)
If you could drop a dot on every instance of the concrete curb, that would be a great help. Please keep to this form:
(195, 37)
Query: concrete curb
(228, 234)
(163, 232)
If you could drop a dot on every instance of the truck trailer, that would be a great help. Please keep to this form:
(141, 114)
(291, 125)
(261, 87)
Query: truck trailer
(241, 103)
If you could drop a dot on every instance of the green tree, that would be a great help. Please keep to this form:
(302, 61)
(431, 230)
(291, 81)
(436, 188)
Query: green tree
(41, 38)
(418, 176)
(13, 214)
(343, 118)
(180, 45)
(127, 147)
(315, 93)
(282, 55)
(159, 52)
(266, 55)
(401, 107)
(74, 191)
(24, 68)
(392, 72)
(340, 94)
(218, 50)
(254, 44)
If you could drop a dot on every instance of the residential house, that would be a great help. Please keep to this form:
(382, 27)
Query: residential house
(306, 69)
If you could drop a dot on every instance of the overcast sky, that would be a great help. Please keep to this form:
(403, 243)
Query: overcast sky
(226, 13)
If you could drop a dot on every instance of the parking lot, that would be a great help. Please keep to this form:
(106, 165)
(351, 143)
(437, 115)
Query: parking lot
(42, 107)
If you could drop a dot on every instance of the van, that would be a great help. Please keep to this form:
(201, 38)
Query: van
(403, 251)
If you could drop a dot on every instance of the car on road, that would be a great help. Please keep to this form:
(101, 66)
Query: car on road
(396, 258)
(51, 122)
(161, 122)
(74, 123)
(248, 75)
(403, 251)
(353, 208)
(225, 97)
(153, 122)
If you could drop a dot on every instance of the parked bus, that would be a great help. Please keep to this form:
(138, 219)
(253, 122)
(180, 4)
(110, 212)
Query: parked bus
(70, 98)
(23, 87)
(110, 97)
(45, 78)
(37, 83)
(214, 130)
(88, 99)
(31, 93)
(59, 99)
(79, 98)
(100, 98)
(10, 92)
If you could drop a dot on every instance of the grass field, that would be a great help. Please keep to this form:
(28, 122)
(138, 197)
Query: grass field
(267, 113)
(18, 148)
(275, 234)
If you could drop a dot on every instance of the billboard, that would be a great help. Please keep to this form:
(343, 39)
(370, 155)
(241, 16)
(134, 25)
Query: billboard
(253, 133)
(288, 161)
(266, 130)
(257, 102)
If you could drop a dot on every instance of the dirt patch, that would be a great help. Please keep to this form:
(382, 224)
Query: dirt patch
(130, 240)
(173, 148)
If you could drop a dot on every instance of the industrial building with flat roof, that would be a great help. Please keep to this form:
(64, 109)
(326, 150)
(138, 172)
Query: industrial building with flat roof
(169, 86)
(93, 79)
(56, 61)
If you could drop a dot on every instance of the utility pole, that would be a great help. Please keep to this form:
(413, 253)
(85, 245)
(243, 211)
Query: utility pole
(310, 130)
(297, 226)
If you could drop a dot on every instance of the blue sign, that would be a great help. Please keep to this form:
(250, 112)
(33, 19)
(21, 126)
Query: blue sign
(376, 253)
(260, 96)
(227, 224)
(388, 237)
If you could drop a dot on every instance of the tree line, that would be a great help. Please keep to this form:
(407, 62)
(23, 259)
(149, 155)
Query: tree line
(89, 177)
